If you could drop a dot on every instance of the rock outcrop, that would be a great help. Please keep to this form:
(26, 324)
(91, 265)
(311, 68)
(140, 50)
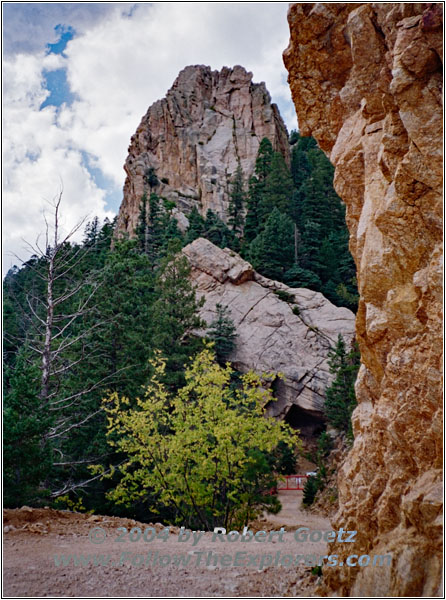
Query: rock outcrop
(193, 139)
(366, 81)
(291, 335)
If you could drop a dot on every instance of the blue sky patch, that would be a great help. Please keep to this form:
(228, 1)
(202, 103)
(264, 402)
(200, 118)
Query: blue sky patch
(56, 81)
(66, 33)
(57, 84)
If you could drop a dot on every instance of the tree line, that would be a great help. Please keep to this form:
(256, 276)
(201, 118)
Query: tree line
(288, 222)
(95, 320)
(91, 322)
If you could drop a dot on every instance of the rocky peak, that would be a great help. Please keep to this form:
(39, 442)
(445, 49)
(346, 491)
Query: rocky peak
(193, 139)
(279, 329)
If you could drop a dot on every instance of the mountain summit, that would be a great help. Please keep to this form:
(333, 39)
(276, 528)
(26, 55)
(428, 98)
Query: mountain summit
(189, 144)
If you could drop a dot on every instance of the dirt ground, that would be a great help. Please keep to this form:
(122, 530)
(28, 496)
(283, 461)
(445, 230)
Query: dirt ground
(35, 539)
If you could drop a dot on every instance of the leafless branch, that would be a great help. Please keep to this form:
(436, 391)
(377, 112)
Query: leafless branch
(70, 488)
(55, 434)
(56, 404)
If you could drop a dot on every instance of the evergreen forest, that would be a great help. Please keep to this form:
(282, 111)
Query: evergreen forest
(98, 327)
(288, 222)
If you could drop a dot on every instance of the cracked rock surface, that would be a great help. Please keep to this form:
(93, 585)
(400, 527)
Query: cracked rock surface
(270, 336)
(366, 80)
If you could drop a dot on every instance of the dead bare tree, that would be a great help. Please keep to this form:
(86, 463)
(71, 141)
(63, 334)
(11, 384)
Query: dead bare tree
(56, 343)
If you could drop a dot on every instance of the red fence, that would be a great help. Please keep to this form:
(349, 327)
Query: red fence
(292, 482)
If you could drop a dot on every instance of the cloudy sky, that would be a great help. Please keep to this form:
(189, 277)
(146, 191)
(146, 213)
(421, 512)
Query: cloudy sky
(78, 77)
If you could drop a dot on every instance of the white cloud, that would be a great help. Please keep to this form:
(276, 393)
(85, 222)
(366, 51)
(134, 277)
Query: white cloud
(28, 27)
(117, 68)
(38, 156)
(124, 64)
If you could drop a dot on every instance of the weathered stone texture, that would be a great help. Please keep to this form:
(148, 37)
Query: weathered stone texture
(271, 338)
(195, 136)
(366, 81)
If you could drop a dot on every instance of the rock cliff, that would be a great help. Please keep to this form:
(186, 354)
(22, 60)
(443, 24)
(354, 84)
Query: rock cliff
(291, 336)
(366, 82)
(193, 139)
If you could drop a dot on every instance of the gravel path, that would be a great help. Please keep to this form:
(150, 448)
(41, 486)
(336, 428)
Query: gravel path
(34, 537)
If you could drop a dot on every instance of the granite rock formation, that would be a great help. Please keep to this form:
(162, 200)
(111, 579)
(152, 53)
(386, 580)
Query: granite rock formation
(193, 139)
(366, 81)
(271, 337)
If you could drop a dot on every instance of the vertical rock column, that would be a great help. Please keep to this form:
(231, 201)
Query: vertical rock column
(366, 82)
(194, 139)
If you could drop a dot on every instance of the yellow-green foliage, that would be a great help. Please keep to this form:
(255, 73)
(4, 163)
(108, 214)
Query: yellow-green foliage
(75, 506)
(203, 452)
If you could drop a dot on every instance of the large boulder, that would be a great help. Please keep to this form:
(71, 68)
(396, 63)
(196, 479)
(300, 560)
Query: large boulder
(279, 329)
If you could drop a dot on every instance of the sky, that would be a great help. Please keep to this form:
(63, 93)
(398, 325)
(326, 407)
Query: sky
(78, 77)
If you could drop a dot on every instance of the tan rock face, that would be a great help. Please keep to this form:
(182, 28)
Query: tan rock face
(195, 136)
(270, 336)
(366, 82)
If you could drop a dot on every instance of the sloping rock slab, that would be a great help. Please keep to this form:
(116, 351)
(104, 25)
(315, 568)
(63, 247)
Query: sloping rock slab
(270, 336)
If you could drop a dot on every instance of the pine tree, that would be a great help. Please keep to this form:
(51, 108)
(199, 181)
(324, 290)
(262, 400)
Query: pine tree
(120, 348)
(223, 333)
(150, 230)
(175, 316)
(105, 237)
(297, 277)
(236, 201)
(125, 296)
(294, 137)
(252, 220)
(217, 232)
(272, 252)
(154, 231)
(196, 227)
(142, 227)
(272, 187)
(311, 488)
(91, 234)
(300, 166)
(18, 320)
(278, 188)
(320, 217)
(340, 396)
(300, 171)
(150, 177)
(170, 233)
(56, 339)
(27, 453)
(264, 160)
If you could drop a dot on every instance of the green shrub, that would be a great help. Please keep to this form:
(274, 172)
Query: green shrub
(310, 490)
(324, 444)
(169, 204)
(285, 296)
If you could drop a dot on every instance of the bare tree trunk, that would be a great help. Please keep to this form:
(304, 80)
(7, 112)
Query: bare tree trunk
(46, 354)
(296, 243)
(49, 342)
